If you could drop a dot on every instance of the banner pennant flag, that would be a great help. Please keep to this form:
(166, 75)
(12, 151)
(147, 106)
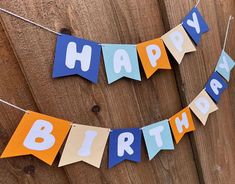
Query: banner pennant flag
(225, 65)
(124, 144)
(195, 25)
(215, 86)
(76, 56)
(202, 106)
(85, 143)
(157, 137)
(39, 135)
(181, 123)
(121, 61)
(178, 42)
(153, 56)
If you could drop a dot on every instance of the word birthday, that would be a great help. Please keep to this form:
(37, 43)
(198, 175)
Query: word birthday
(42, 135)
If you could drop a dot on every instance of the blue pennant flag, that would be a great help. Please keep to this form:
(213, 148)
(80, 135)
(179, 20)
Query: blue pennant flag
(120, 61)
(215, 86)
(158, 137)
(124, 144)
(225, 65)
(195, 25)
(76, 56)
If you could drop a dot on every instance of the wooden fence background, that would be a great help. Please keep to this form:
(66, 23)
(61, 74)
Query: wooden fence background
(26, 60)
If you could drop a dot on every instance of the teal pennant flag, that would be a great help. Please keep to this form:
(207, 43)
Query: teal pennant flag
(157, 137)
(225, 65)
(121, 61)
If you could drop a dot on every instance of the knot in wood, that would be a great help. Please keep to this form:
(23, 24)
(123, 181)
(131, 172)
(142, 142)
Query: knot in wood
(96, 108)
(30, 169)
(65, 31)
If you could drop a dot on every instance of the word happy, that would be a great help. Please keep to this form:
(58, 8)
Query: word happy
(76, 56)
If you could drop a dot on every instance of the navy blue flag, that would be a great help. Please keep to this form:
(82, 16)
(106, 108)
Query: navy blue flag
(76, 56)
(216, 86)
(195, 25)
(124, 144)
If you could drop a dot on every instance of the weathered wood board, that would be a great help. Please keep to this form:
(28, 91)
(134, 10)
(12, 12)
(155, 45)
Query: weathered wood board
(26, 60)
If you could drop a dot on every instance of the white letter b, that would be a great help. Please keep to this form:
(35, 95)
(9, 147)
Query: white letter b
(41, 129)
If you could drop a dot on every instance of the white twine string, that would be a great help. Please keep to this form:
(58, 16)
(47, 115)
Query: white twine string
(197, 3)
(194, 7)
(226, 34)
(14, 106)
(19, 108)
(29, 21)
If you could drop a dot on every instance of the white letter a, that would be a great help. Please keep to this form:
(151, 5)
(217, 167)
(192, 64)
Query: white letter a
(121, 59)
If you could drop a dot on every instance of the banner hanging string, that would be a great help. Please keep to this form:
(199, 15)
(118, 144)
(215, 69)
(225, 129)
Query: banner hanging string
(52, 31)
(23, 110)
(227, 30)
(14, 106)
(41, 26)
(29, 21)
(197, 3)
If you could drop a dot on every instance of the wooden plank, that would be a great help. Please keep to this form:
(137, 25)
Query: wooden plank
(14, 88)
(213, 145)
(123, 104)
(224, 10)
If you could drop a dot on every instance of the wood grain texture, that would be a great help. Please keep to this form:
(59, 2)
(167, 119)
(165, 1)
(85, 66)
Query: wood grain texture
(225, 9)
(205, 156)
(74, 98)
(213, 148)
(14, 88)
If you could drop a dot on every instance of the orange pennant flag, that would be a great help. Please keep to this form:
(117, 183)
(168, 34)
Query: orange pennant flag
(181, 123)
(39, 135)
(153, 56)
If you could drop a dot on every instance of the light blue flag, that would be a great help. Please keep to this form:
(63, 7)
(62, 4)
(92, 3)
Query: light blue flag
(120, 61)
(225, 65)
(158, 137)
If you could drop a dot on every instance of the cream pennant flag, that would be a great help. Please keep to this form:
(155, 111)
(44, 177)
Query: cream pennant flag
(202, 106)
(85, 143)
(178, 42)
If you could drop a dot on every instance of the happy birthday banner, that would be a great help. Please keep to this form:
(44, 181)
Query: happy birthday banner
(42, 135)
(77, 56)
